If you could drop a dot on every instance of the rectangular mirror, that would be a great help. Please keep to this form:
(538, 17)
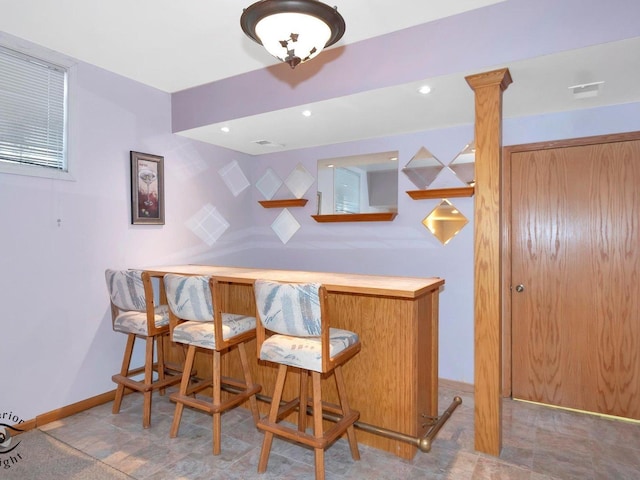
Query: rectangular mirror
(366, 183)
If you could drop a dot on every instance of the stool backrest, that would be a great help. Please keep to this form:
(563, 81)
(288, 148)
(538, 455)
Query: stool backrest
(189, 297)
(289, 308)
(197, 298)
(126, 289)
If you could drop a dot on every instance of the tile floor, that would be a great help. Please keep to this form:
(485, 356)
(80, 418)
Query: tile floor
(539, 443)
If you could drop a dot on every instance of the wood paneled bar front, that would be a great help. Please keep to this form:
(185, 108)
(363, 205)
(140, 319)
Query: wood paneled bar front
(393, 381)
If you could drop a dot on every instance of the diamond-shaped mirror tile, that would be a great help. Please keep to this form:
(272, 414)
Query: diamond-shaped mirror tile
(423, 168)
(234, 178)
(464, 164)
(285, 226)
(299, 181)
(445, 221)
(208, 224)
(188, 163)
(269, 184)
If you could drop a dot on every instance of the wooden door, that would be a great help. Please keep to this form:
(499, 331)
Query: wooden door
(575, 250)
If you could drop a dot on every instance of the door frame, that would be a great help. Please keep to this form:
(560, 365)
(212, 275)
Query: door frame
(506, 208)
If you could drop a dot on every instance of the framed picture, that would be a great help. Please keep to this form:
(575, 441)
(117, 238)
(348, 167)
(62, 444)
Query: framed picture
(147, 189)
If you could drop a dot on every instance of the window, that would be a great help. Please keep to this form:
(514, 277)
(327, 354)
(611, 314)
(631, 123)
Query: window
(33, 115)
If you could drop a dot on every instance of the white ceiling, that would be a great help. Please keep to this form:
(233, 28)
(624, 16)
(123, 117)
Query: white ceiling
(173, 45)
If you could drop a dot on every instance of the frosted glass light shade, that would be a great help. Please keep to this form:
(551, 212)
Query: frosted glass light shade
(293, 31)
(287, 35)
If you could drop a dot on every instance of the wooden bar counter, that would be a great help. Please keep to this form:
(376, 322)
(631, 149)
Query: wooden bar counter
(393, 381)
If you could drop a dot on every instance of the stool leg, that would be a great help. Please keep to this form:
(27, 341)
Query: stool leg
(253, 403)
(318, 431)
(148, 380)
(124, 371)
(273, 417)
(160, 355)
(346, 410)
(302, 399)
(184, 384)
(217, 428)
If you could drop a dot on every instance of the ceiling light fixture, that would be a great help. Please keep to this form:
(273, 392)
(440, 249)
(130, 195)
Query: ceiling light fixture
(293, 30)
(306, 113)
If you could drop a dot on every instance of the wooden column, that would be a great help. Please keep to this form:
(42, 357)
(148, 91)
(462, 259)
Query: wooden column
(488, 88)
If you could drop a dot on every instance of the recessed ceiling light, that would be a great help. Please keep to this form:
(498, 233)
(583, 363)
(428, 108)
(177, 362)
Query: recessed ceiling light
(225, 129)
(424, 89)
(306, 113)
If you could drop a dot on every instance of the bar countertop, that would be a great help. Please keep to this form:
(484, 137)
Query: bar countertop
(392, 286)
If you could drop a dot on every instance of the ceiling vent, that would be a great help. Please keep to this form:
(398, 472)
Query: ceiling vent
(586, 90)
(267, 143)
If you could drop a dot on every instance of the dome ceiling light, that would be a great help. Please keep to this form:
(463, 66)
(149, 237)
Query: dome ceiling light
(293, 31)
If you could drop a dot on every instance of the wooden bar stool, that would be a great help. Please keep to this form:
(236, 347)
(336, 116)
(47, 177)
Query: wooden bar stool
(197, 321)
(134, 313)
(294, 331)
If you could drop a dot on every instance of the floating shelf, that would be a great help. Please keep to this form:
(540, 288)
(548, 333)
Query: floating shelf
(355, 217)
(290, 202)
(441, 193)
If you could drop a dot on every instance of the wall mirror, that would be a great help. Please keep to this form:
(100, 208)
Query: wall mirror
(423, 168)
(435, 180)
(464, 164)
(445, 221)
(358, 184)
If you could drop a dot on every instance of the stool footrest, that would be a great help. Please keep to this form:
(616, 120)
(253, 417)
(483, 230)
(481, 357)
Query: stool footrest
(140, 386)
(208, 405)
(328, 437)
(287, 408)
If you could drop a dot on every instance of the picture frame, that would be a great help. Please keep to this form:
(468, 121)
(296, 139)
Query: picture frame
(147, 189)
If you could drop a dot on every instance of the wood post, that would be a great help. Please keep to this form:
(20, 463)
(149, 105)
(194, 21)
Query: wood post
(488, 88)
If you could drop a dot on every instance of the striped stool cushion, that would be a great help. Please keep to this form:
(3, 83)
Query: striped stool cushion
(126, 289)
(305, 352)
(136, 322)
(201, 334)
(289, 309)
(189, 297)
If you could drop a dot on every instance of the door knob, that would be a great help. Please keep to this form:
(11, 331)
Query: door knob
(520, 288)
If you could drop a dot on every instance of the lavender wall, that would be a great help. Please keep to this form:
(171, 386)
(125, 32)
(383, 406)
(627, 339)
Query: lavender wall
(57, 344)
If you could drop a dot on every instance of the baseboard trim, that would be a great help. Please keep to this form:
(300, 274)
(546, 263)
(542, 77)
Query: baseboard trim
(24, 426)
(456, 385)
(74, 408)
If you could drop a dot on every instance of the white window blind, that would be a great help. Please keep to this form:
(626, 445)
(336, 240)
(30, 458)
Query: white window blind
(32, 111)
(347, 191)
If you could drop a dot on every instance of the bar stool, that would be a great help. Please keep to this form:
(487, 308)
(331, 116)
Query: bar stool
(196, 320)
(294, 331)
(134, 313)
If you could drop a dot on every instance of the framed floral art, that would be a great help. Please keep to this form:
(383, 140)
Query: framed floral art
(147, 189)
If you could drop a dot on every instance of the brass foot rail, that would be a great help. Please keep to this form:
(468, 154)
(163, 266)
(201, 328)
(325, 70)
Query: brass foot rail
(423, 443)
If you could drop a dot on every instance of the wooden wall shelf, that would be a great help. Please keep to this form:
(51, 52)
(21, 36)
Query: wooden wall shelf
(356, 217)
(441, 193)
(290, 202)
